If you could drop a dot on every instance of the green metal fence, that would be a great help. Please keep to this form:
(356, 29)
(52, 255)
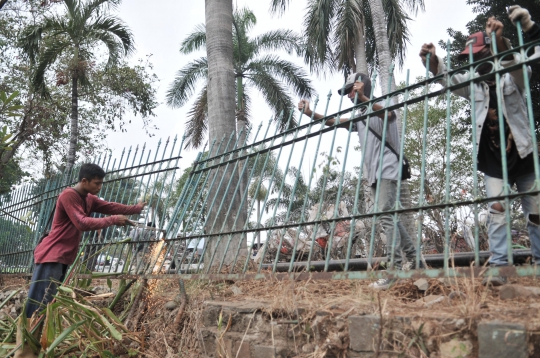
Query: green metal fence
(292, 204)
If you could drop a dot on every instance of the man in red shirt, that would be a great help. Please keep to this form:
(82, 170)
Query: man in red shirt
(59, 249)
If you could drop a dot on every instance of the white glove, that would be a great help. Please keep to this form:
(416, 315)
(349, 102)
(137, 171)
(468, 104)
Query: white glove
(516, 13)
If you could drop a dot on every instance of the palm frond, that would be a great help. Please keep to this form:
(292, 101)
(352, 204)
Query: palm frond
(73, 8)
(278, 6)
(398, 34)
(30, 40)
(414, 5)
(318, 25)
(195, 40)
(183, 85)
(115, 27)
(245, 19)
(345, 39)
(275, 95)
(286, 40)
(92, 6)
(197, 123)
(289, 73)
(46, 59)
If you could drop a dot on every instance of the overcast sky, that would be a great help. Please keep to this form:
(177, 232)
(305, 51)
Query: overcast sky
(160, 26)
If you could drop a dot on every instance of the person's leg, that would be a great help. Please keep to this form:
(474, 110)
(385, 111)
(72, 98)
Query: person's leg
(387, 201)
(44, 285)
(530, 205)
(407, 246)
(498, 245)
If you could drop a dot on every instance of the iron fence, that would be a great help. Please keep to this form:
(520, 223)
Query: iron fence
(293, 203)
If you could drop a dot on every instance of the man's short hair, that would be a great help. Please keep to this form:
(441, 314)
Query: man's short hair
(91, 171)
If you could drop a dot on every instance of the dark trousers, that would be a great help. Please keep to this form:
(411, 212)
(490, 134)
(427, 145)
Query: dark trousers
(44, 285)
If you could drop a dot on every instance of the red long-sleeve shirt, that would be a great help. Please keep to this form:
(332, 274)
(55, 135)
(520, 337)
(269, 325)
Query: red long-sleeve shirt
(71, 218)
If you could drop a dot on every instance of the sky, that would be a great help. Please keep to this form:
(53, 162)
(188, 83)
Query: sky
(159, 30)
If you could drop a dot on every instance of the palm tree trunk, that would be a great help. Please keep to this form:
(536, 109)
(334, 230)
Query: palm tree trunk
(381, 42)
(74, 133)
(221, 122)
(360, 52)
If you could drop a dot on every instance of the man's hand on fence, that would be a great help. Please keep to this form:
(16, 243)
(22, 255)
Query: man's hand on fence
(304, 105)
(358, 88)
(429, 48)
(494, 25)
(517, 13)
(122, 220)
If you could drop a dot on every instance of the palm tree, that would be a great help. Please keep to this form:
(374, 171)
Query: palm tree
(271, 75)
(348, 35)
(73, 37)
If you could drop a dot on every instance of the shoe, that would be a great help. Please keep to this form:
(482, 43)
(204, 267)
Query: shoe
(411, 265)
(494, 281)
(382, 284)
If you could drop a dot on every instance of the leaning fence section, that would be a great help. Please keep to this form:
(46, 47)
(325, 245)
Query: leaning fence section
(289, 197)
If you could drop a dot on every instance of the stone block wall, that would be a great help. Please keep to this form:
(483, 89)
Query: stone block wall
(247, 330)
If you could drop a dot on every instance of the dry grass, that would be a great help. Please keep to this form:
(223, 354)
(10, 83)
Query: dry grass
(464, 299)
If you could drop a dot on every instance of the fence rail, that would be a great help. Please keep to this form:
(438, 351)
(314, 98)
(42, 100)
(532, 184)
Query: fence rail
(293, 204)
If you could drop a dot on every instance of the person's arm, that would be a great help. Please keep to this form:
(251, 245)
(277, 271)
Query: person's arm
(72, 203)
(503, 44)
(110, 208)
(437, 66)
(304, 104)
(358, 89)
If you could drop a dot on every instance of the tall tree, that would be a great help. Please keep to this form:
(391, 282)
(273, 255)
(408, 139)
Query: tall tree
(75, 35)
(255, 66)
(221, 110)
(40, 134)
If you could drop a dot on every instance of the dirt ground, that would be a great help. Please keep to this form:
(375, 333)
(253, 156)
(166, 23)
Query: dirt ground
(171, 333)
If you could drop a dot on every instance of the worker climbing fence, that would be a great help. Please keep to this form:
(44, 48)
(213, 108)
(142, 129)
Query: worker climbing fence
(285, 198)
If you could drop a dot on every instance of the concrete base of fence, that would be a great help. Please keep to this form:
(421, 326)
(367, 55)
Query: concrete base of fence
(250, 330)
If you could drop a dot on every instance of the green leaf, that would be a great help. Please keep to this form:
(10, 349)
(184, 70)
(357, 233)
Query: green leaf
(12, 97)
(8, 298)
(109, 283)
(63, 336)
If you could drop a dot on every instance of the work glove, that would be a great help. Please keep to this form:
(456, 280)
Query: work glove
(516, 13)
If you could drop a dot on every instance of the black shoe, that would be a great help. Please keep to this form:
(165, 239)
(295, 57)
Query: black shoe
(494, 281)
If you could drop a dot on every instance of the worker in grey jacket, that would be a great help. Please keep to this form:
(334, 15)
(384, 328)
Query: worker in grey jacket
(359, 85)
(516, 131)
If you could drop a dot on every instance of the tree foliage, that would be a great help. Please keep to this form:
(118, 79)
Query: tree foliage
(41, 132)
